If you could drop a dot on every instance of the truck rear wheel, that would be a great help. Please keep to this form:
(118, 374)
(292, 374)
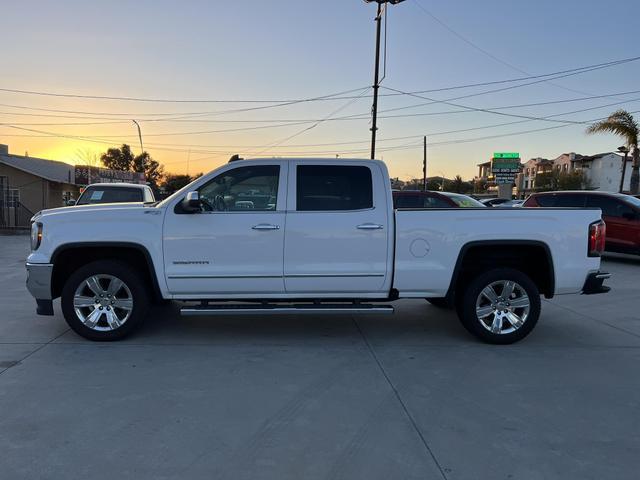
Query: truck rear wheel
(104, 300)
(500, 306)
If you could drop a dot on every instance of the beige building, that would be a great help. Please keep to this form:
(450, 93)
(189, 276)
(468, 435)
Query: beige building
(29, 184)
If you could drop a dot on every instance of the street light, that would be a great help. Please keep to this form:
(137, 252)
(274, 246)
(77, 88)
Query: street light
(376, 75)
(623, 149)
(141, 147)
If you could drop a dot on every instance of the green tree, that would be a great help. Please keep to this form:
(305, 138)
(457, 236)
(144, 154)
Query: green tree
(118, 158)
(174, 182)
(397, 184)
(623, 124)
(555, 180)
(153, 171)
(123, 159)
(480, 186)
(434, 183)
(575, 180)
(547, 181)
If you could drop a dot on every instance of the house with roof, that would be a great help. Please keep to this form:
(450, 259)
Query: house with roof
(28, 185)
(603, 171)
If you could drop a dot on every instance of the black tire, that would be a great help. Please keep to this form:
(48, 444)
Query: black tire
(482, 328)
(440, 302)
(105, 269)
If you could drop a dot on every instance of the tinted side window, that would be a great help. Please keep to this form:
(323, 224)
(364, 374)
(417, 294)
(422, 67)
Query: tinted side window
(610, 206)
(546, 200)
(570, 200)
(436, 202)
(408, 201)
(332, 187)
(243, 188)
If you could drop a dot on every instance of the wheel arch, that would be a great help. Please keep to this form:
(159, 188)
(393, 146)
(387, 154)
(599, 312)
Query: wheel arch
(532, 257)
(69, 257)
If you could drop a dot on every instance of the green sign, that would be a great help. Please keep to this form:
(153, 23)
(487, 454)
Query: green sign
(506, 155)
(505, 169)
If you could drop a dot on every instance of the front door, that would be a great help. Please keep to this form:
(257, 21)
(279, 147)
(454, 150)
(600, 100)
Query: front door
(338, 230)
(234, 246)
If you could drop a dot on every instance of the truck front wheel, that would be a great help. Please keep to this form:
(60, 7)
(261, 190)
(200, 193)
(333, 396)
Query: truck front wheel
(500, 306)
(104, 300)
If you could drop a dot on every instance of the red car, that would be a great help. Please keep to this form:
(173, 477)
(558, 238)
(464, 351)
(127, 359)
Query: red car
(430, 199)
(620, 212)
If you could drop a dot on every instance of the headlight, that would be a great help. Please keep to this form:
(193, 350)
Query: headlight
(36, 235)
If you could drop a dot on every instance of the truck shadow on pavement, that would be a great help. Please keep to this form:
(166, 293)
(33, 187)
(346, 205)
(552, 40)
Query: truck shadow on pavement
(415, 322)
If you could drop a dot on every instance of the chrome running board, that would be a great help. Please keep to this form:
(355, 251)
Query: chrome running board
(282, 309)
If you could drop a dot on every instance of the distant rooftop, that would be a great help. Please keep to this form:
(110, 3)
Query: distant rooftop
(51, 170)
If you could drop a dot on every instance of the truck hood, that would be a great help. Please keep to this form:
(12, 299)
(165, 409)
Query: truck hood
(95, 209)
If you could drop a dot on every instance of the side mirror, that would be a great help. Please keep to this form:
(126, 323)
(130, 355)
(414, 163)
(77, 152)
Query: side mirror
(191, 203)
(70, 203)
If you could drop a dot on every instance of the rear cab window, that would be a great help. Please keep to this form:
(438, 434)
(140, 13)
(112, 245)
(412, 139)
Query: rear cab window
(95, 195)
(333, 188)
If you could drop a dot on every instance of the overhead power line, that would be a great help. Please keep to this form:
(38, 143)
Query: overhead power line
(343, 95)
(417, 136)
(167, 100)
(486, 52)
(411, 145)
(324, 119)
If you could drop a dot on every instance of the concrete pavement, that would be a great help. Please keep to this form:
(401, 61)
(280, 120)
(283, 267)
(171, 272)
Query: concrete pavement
(401, 397)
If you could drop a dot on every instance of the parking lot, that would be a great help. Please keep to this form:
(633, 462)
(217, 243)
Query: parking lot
(407, 396)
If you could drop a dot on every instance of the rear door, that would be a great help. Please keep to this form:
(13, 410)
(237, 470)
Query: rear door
(337, 238)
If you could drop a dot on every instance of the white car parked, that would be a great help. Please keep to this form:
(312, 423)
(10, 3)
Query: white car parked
(307, 236)
(114, 193)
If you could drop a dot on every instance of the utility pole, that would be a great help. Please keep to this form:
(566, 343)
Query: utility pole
(376, 84)
(376, 74)
(424, 164)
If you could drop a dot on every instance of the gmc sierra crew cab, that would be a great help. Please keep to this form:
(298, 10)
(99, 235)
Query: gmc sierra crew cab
(276, 236)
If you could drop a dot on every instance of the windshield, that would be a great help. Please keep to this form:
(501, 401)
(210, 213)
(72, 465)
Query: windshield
(94, 195)
(464, 201)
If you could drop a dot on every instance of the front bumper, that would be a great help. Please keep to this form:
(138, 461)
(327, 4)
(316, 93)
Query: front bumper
(594, 283)
(39, 285)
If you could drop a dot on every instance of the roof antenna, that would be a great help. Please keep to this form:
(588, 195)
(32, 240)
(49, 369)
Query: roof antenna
(235, 158)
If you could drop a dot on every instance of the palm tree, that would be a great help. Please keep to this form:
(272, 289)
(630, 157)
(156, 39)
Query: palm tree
(458, 184)
(624, 125)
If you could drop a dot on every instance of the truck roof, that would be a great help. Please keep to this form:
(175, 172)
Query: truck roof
(118, 185)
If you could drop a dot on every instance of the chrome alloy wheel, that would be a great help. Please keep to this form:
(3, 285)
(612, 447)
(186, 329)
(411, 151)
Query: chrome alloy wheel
(502, 307)
(103, 302)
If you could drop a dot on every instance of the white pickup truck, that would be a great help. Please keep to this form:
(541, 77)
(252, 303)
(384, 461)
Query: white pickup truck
(308, 236)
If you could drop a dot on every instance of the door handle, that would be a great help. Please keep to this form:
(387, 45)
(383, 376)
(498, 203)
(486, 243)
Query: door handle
(370, 226)
(265, 226)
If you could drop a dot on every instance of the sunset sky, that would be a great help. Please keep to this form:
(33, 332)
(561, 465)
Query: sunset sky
(274, 52)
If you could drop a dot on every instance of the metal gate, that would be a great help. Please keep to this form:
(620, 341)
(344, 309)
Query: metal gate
(12, 213)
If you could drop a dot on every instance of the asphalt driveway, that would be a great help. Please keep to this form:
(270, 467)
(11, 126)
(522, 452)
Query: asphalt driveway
(410, 396)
